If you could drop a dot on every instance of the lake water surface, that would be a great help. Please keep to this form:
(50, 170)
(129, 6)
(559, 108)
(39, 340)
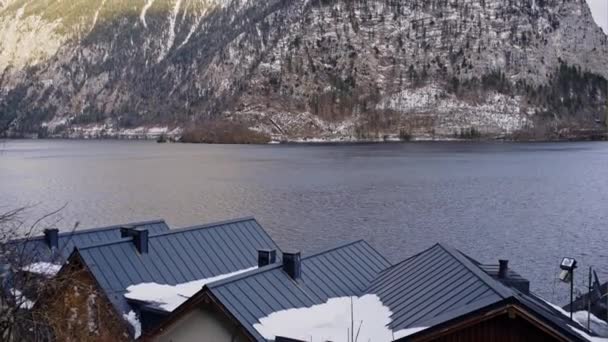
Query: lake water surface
(529, 203)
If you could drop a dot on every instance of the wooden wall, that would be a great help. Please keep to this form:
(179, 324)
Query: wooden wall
(501, 328)
(75, 310)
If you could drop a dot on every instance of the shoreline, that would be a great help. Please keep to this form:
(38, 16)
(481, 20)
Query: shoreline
(331, 141)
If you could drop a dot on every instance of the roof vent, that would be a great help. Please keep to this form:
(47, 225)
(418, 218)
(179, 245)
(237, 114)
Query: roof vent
(140, 238)
(503, 267)
(51, 236)
(266, 257)
(292, 264)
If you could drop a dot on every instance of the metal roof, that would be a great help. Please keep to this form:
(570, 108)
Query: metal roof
(442, 284)
(431, 284)
(36, 248)
(344, 271)
(174, 257)
(435, 286)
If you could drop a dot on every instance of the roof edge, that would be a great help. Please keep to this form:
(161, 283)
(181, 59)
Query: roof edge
(276, 265)
(497, 306)
(91, 230)
(209, 225)
(171, 232)
(409, 258)
(377, 252)
(340, 246)
(495, 285)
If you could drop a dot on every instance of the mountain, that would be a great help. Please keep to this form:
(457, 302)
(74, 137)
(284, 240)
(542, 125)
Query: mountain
(303, 69)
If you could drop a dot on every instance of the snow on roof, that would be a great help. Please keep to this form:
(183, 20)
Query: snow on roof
(132, 318)
(597, 325)
(46, 269)
(332, 321)
(169, 297)
(587, 336)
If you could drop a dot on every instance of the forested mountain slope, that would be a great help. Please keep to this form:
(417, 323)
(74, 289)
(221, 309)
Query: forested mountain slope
(294, 69)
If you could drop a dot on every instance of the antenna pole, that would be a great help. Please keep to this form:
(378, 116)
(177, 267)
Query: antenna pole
(571, 292)
(589, 302)
(352, 321)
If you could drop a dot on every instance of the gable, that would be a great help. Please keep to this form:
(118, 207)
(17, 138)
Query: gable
(340, 272)
(75, 308)
(179, 257)
(205, 322)
(505, 322)
(432, 286)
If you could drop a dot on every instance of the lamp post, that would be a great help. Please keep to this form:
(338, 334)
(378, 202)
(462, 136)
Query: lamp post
(567, 275)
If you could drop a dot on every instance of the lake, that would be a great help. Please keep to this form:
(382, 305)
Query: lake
(529, 203)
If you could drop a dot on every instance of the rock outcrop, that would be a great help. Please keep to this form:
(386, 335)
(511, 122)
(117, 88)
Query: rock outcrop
(302, 69)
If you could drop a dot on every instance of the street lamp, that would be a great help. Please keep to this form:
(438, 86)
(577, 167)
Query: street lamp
(567, 275)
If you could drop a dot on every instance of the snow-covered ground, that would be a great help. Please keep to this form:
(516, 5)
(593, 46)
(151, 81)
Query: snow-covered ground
(100, 131)
(337, 320)
(169, 297)
(496, 114)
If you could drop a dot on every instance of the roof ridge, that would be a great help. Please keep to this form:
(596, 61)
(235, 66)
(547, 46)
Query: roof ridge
(329, 250)
(208, 225)
(380, 254)
(463, 259)
(91, 230)
(170, 232)
(244, 275)
(277, 265)
(407, 259)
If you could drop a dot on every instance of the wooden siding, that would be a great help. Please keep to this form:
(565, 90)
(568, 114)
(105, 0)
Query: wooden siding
(75, 309)
(507, 324)
(499, 329)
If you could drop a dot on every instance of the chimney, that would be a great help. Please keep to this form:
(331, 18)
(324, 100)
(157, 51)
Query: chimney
(52, 238)
(266, 257)
(503, 267)
(125, 231)
(292, 264)
(140, 238)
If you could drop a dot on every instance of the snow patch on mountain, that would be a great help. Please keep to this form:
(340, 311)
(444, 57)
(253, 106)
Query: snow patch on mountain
(171, 38)
(494, 114)
(142, 15)
(27, 40)
(96, 16)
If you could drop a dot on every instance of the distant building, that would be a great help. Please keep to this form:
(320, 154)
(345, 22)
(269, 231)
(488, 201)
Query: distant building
(122, 288)
(439, 294)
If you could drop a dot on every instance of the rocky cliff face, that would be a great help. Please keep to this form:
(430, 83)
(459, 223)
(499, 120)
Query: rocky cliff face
(302, 69)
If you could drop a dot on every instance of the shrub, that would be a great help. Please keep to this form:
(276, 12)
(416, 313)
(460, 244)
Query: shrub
(405, 135)
(222, 132)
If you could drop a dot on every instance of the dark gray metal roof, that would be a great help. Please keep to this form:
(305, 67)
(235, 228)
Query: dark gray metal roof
(536, 306)
(344, 271)
(492, 270)
(433, 284)
(37, 250)
(550, 314)
(442, 284)
(177, 256)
